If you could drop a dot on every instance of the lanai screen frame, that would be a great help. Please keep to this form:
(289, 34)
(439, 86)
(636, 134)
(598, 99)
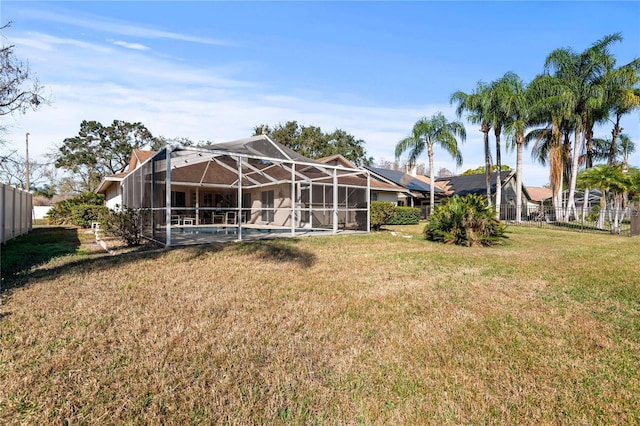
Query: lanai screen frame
(148, 190)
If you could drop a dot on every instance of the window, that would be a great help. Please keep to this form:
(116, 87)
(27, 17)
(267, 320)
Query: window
(267, 206)
(178, 199)
(374, 196)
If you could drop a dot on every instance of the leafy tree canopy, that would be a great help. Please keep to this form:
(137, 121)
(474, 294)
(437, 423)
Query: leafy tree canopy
(19, 90)
(312, 142)
(480, 170)
(100, 150)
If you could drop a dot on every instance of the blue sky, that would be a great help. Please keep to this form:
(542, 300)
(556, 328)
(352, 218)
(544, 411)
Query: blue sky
(214, 70)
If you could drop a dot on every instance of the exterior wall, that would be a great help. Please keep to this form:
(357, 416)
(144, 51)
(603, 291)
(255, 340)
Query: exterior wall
(113, 196)
(281, 204)
(252, 213)
(391, 197)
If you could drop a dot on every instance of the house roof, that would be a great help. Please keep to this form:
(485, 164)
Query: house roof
(107, 181)
(405, 180)
(139, 156)
(473, 184)
(261, 146)
(442, 185)
(377, 185)
(336, 160)
(265, 163)
(538, 193)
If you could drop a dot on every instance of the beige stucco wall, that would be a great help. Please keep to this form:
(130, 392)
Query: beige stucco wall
(113, 196)
(391, 197)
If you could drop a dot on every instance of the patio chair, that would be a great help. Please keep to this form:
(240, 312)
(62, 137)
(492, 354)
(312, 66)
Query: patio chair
(230, 217)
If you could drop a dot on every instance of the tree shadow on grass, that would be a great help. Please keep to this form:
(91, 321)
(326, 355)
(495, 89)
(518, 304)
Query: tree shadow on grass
(37, 248)
(270, 250)
(273, 250)
(278, 250)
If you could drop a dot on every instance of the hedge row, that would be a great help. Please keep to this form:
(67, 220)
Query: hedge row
(387, 213)
(404, 216)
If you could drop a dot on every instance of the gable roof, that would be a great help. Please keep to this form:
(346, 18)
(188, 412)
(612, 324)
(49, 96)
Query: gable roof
(336, 160)
(139, 156)
(538, 193)
(403, 179)
(474, 184)
(442, 185)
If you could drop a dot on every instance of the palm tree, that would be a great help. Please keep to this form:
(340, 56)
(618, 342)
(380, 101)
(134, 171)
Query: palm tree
(427, 132)
(551, 108)
(623, 98)
(627, 146)
(477, 106)
(582, 75)
(516, 104)
(614, 182)
(506, 104)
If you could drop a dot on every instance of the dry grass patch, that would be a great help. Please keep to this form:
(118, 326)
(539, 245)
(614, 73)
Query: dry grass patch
(346, 329)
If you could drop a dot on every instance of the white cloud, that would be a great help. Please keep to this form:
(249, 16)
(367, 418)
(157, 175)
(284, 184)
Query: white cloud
(133, 46)
(111, 26)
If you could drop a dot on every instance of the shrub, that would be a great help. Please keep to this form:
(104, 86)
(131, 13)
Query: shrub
(125, 224)
(61, 212)
(465, 221)
(381, 212)
(594, 213)
(404, 216)
(84, 214)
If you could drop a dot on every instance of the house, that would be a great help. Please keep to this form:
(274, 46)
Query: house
(111, 186)
(252, 187)
(477, 184)
(417, 191)
(379, 190)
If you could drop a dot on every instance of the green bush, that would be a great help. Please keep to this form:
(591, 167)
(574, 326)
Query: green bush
(465, 221)
(62, 212)
(125, 224)
(594, 214)
(381, 212)
(404, 216)
(84, 214)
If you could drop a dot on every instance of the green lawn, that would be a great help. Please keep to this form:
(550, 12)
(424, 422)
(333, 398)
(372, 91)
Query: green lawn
(371, 329)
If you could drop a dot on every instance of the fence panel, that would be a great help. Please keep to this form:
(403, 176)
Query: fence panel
(16, 216)
(616, 222)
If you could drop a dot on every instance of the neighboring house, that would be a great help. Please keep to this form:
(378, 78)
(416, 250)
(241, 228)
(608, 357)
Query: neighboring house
(252, 186)
(111, 186)
(538, 196)
(379, 190)
(476, 184)
(417, 191)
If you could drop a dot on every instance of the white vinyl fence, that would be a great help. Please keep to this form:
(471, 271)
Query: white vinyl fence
(15, 212)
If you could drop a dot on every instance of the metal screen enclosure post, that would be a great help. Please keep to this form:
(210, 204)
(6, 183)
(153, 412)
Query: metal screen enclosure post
(167, 185)
(239, 215)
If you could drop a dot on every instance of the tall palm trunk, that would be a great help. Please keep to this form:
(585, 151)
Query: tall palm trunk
(588, 165)
(615, 132)
(432, 178)
(519, 149)
(571, 203)
(487, 159)
(496, 131)
(556, 166)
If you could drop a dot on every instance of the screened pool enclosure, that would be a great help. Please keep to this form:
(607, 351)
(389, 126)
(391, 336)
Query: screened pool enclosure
(249, 188)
